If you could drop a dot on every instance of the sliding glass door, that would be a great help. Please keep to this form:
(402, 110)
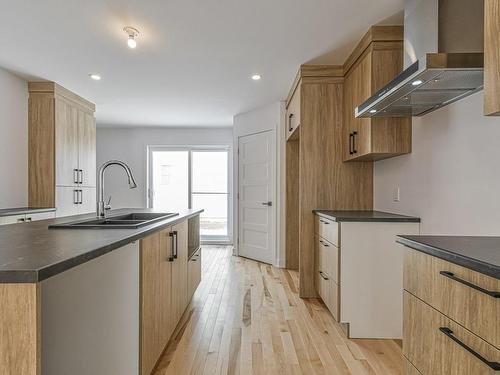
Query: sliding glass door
(190, 177)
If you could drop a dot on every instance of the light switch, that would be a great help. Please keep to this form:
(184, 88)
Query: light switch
(395, 195)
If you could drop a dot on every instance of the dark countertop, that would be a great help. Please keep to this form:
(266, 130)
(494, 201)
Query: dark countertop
(24, 210)
(481, 254)
(368, 216)
(32, 252)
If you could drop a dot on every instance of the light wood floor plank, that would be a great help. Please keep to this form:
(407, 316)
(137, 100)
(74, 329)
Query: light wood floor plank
(246, 318)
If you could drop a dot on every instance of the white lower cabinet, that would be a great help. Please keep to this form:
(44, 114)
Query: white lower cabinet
(359, 274)
(26, 218)
(71, 200)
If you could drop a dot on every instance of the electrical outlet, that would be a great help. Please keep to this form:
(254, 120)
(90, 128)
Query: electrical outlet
(395, 195)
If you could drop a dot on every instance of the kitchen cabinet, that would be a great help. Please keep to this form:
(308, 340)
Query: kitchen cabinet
(26, 218)
(194, 272)
(180, 269)
(316, 175)
(156, 319)
(492, 57)
(442, 313)
(164, 290)
(375, 61)
(62, 151)
(359, 270)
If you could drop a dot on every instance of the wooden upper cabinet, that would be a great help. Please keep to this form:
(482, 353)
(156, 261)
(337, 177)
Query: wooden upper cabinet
(376, 60)
(87, 148)
(66, 139)
(62, 147)
(492, 58)
(293, 112)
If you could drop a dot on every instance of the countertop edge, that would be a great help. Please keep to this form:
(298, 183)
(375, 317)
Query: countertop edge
(39, 275)
(467, 262)
(24, 210)
(402, 219)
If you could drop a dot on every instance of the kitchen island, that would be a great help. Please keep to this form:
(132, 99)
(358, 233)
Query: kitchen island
(86, 301)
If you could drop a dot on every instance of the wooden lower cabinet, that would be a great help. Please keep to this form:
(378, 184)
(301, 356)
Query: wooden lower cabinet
(434, 344)
(194, 272)
(163, 290)
(180, 270)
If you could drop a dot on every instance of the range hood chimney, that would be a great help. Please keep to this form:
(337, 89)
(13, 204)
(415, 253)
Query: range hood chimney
(443, 59)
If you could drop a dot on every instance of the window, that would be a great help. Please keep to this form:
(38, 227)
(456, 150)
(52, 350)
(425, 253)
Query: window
(189, 177)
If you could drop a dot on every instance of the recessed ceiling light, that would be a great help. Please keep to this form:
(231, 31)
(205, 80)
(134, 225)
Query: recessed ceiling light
(95, 77)
(373, 111)
(256, 77)
(132, 33)
(417, 82)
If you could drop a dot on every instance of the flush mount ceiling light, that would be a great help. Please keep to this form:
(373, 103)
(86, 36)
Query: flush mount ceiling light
(256, 77)
(373, 111)
(132, 35)
(95, 77)
(417, 82)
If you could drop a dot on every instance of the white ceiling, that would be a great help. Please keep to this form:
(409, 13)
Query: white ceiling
(194, 58)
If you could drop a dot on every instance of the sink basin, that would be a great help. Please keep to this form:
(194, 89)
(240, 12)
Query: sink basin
(126, 221)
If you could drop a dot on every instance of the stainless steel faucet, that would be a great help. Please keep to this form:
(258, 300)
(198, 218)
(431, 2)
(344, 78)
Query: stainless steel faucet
(101, 206)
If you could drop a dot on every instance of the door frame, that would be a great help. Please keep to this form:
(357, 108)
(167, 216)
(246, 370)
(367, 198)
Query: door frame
(276, 201)
(224, 240)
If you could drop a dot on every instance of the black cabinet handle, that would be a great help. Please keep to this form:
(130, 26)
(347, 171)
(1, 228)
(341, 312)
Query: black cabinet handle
(354, 150)
(290, 116)
(324, 244)
(75, 196)
(350, 143)
(75, 175)
(322, 275)
(176, 244)
(448, 332)
(172, 244)
(81, 176)
(452, 276)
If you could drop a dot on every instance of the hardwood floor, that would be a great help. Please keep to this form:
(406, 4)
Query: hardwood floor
(247, 318)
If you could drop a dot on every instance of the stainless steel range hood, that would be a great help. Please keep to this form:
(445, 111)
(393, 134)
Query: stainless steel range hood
(443, 59)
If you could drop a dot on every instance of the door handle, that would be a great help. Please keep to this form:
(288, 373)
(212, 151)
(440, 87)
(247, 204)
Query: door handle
(75, 175)
(323, 275)
(75, 196)
(448, 332)
(290, 128)
(172, 244)
(80, 174)
(452, 276)
(175, 243)
(350, 144)
(267, 203)
(354, 134)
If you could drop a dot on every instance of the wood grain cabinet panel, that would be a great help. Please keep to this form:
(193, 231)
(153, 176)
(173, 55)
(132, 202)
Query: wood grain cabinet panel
(293, 118)
(371, 66)
(180, 270)
(427, 277)
(433, 343)
(492, 58)
(156, 318)
(62, 150)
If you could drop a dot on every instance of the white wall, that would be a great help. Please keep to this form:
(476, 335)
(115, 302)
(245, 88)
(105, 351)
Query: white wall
(13, 140)
(130, 146)
(452, 177)
(269, 117)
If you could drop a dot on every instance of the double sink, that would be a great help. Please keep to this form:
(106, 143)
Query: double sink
(127, 221)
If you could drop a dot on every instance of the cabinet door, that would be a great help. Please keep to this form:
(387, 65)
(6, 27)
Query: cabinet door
(293, 112)
(155, 286)
(12, 219)
(87, 199)
(66, 201)
(167, 319)
(66, 143)
(87, 148)
(491, 58)
(194, 273)
(179, 270)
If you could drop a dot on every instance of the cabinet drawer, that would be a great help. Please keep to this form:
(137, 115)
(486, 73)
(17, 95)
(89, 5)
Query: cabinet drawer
(328, 261)
(328, 230)
(435, 344)
(437, 282)
(328, 290)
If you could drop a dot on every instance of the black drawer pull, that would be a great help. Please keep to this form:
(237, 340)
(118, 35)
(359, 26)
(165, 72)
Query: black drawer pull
(322, 275)
(354, 150)
(448, 332)
(351, 137)
(290, 117)
(452, 276)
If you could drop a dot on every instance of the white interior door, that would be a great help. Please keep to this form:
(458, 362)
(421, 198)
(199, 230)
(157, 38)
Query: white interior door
(256, 205)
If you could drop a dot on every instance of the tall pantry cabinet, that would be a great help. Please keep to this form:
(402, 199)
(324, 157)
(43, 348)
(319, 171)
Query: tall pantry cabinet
(62, 150)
